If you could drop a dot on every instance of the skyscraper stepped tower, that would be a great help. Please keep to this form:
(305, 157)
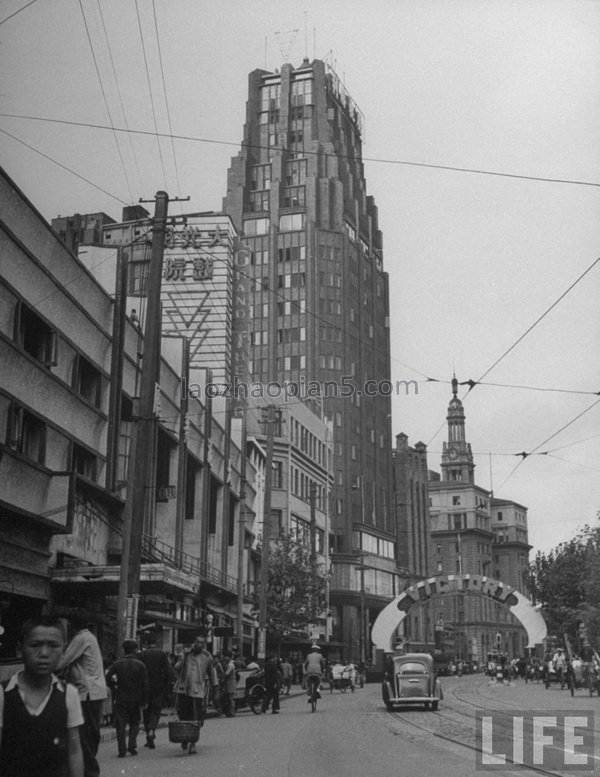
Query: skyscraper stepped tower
(296, 191)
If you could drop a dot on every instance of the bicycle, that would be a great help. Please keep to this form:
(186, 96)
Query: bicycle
(313, 683)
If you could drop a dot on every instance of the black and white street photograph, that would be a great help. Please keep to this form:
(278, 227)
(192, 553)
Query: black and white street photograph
(299, 388)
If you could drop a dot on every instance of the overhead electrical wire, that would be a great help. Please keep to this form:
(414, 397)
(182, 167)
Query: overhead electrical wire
(535, 451)
(117, 84)
(236, 144)
(536, 322)
(64, 167)
(18, 11)
(149, 82)
(104, 97)
(164, 84)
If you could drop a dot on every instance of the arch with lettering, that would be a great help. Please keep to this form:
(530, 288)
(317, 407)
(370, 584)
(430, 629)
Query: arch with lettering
(394, 613)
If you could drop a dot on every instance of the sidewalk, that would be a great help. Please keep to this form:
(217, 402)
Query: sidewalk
(109, 734)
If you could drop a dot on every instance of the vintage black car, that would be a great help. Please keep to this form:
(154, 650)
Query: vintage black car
(410, 678)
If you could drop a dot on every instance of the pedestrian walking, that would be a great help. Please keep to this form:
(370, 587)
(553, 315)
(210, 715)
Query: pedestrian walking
(272, 684)
(158, 667)
(229, 684)
(194, 670)
(81, 665)
(128, 681)
(40, 714)
(286, 674)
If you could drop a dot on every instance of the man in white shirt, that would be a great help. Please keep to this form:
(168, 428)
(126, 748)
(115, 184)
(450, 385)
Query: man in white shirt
(83, 666)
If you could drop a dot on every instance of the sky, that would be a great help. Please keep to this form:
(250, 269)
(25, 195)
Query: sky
(480, 149)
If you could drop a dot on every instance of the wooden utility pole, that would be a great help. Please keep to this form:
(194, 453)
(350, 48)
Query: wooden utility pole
(266, 538)
(241, 541)
(116, 368)
(182, 449)
(313, 549)
(141, 482)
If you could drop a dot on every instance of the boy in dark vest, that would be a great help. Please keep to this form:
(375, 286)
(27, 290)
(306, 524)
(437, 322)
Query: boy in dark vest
(40, 715)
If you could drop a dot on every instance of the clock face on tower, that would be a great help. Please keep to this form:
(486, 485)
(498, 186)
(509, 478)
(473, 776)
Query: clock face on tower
(452, 453)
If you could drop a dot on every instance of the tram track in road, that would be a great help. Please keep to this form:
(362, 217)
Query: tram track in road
(456, 725)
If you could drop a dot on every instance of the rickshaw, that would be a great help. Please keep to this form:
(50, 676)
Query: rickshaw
(410, 679)
(342, 677)
(250, 691)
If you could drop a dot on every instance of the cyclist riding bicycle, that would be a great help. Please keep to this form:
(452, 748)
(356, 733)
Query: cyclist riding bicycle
(314, 667)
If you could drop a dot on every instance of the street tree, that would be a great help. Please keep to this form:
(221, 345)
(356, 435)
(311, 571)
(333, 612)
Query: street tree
(566, 583)
(296, 592)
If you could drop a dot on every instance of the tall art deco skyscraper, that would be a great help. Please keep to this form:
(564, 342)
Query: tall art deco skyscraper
(297, 193)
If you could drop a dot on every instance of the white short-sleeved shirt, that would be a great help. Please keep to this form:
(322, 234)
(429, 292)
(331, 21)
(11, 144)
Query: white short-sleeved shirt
(74, 714)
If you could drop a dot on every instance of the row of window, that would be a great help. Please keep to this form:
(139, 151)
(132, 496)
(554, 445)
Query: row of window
(308, 443)
(303, 487)
(369, 543)
(259, 201)
(27, 435)
(300, 531)
(40, 340)
(288, 222)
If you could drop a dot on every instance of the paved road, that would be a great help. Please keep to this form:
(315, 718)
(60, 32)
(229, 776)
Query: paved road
(350, 735)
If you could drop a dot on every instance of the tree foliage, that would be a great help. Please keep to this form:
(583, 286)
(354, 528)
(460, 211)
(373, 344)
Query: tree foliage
(566, 583)
(296, 589)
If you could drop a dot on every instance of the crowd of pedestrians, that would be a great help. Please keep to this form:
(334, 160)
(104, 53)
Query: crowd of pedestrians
(52, 710)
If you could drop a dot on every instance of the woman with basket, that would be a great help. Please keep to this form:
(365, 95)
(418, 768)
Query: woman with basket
(194, 670)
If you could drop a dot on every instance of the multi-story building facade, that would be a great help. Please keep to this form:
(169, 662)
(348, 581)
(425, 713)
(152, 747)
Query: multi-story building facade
(68, 397)
(465, 540)
(296, 193)
(510, 562)
(411, 501)
(300, 487)
(203, 262)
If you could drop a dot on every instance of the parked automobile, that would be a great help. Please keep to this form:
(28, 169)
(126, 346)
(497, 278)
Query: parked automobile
(411, 679)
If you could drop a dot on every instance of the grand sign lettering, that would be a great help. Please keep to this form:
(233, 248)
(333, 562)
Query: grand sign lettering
(394, 613)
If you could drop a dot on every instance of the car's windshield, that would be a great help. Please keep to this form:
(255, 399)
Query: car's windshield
(413, 666)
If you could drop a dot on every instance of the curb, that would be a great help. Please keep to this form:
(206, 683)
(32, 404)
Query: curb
(109, 733)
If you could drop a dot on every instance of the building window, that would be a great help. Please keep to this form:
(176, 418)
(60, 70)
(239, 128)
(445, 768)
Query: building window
(456, 500)
(499, 516)
(260, 177)
(87, 380)
(256, 227)
(190, 490)
(34, 335)
(137, 278)
(294, 197)
(163, 466)
(259, 201)
(291, 222)
(26, 434)
(277, 475)
(83, 462)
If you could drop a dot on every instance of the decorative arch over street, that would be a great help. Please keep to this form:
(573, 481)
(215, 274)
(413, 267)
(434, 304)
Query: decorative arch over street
(394, 613)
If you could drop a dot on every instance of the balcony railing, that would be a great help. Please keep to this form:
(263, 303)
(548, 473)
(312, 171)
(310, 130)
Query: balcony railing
(157, 550)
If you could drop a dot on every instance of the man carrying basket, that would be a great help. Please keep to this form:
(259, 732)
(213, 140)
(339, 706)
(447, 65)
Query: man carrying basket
(194, 670)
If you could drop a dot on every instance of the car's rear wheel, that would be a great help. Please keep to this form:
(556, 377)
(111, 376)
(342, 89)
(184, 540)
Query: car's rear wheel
(435, 705)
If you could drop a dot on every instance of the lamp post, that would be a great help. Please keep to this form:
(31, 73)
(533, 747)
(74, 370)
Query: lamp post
(361, 633)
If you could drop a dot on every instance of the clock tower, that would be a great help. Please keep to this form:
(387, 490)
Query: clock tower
(457, 457)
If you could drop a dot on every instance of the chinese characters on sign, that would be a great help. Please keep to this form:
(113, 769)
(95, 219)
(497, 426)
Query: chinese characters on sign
(193, 236)
(175, 268)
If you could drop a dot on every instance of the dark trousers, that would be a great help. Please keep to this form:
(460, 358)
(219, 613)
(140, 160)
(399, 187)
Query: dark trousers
(152, 713)
(271, 695)
(191, 708)
(89, 735)
(229, 703)
(127, 715)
